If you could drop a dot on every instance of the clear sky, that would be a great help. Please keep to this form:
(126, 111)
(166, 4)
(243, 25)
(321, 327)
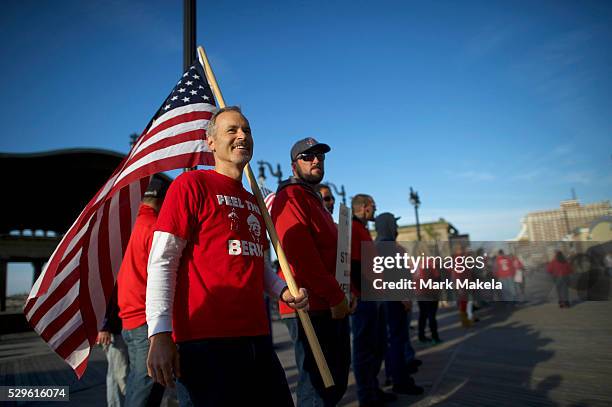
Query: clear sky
(488, 109)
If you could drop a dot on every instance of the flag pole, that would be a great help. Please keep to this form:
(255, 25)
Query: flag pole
(189, 41)
(313, 341)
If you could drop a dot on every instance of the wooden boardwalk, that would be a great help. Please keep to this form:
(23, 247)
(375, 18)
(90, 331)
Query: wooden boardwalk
(530, 355)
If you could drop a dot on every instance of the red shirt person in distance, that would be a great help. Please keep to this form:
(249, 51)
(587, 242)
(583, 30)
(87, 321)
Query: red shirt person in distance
(206, 278)
(560, 269)
(504, 271)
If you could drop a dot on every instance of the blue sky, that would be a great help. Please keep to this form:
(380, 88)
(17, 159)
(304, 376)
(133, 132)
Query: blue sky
(488, 109)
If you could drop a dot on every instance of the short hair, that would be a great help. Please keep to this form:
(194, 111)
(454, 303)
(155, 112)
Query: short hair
(319, 187)
(212, 128)
(360, 200)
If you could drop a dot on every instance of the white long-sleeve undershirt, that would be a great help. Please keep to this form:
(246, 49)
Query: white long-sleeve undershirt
(164, 260)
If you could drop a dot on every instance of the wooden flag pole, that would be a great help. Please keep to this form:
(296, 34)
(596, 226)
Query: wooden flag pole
(313, 341)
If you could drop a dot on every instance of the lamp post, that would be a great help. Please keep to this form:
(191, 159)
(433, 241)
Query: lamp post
(262, 172)
(340, 192)
(133, 138)
(414, 200)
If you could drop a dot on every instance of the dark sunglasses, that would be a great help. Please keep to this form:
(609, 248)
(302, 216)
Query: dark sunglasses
(329, 198)
(311, 156)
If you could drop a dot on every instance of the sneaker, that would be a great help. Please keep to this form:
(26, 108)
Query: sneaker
(411, 369)
(424, 339)
(411, 389)
(373, 403)
(436, 341)
(385, 397)
(416, 362)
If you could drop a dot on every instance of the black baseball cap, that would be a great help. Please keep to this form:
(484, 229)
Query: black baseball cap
(308, 144)
(156, 189)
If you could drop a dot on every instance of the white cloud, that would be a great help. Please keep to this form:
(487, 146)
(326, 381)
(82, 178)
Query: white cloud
(475, 175)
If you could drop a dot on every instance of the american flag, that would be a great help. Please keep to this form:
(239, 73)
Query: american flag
(268, 197)
(67, 303)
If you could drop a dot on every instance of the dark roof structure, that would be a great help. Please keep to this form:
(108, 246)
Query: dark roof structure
(47, 190)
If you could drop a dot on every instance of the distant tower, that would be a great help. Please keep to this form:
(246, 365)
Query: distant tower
(574, 194)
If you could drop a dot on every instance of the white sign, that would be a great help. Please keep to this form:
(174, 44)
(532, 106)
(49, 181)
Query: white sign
(343, 256)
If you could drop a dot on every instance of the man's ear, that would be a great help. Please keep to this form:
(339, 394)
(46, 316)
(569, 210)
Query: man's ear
(211, 143)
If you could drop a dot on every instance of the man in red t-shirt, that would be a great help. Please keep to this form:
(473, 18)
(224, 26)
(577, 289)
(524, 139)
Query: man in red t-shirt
(141, 391)
(206, 278)
(504, 271)
(309, 237)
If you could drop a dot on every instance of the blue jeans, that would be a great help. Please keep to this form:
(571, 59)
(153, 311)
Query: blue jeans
(561, 283)
(117, 357)
(240, 371)
(334, 339)
(369, 346)
(141, 390)
(508, 289)
(399, 351)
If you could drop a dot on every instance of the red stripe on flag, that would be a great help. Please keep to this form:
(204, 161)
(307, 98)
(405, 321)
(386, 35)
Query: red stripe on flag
(89, 316)
(71, 343)
(182, 118)
(125, 216)
(60, 292)
(59, 322)
(105, 269)
(198, 134)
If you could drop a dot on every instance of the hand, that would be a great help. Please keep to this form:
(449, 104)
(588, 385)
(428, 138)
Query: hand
(104, 338)
(299, 302)
(163, 359)
(341, 309)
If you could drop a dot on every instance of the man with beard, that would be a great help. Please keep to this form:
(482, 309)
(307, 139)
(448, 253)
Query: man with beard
(208, 249)
(309, 237)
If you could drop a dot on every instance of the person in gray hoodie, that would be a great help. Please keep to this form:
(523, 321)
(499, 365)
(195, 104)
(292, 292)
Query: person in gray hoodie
(400, 361)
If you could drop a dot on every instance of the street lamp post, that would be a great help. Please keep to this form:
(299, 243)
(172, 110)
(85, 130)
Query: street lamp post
(262, 172)
(340, 192)
(414, 200)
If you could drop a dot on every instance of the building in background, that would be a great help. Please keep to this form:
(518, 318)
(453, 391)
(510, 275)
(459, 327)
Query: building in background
(571, 221)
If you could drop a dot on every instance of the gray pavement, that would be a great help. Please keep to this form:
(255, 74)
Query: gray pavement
(529, 355)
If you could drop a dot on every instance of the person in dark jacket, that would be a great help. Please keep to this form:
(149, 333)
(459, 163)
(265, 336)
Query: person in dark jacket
(400, 360)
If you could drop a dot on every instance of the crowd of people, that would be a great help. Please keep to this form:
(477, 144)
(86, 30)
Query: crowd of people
(189, 307)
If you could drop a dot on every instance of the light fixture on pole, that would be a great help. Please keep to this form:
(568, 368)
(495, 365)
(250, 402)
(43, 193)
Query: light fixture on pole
(340, 192)
(262, 172)
(416, 201)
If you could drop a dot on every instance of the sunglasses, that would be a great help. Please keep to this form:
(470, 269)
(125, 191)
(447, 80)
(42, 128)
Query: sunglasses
(329, 198)
(311, 156)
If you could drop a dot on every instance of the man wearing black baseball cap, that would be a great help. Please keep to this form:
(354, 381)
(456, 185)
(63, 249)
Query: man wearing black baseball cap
(131, 291)
(309, 237)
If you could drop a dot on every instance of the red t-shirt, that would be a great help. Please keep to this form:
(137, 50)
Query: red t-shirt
(359, 234)
(504, 267)
(132, 278)
(220, 280)
(309, 237)
(559, 269)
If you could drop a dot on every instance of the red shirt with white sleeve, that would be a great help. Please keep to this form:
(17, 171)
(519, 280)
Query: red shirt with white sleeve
(220, 278)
